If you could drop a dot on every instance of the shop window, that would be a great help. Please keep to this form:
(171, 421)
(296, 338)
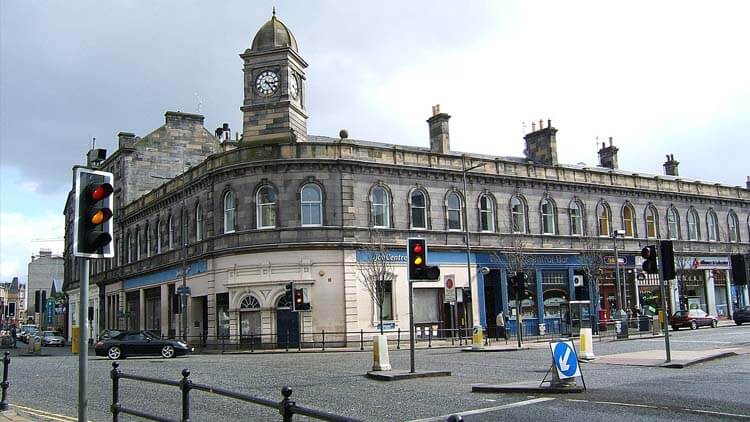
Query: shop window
(418, 206)
(311, 202)
(222, 315)
(517, 215)
(250, 320)
(486, 214)
(453, 205)
(266, 207)
(380, 201)
(387, 312)
(229, 212)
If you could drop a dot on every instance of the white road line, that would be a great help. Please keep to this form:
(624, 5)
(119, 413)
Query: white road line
(625, 404)
(718, 413)
(45, 414)
(486, 410)
(708, 412)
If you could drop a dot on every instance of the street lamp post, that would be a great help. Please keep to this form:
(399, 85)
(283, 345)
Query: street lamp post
(618, 297)
(184, 229)
(465, 170)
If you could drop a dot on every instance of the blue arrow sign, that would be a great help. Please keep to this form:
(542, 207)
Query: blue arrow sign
(565, 359)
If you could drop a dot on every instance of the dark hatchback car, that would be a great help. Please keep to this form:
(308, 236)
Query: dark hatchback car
(693, 319)
(140, 343)
(742, 315)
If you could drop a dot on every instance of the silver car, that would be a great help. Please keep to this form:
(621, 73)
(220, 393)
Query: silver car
(51, 338)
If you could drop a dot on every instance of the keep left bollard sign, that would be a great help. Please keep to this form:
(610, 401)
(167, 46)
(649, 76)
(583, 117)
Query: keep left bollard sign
(565, 359)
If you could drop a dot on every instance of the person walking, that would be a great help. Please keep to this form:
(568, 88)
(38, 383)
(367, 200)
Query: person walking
(13, 335)
(500, 330)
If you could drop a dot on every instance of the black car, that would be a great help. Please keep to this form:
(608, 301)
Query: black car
(742, 315)
(140, 343)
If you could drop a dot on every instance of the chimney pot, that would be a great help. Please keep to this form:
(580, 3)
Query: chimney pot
(549, 122)
(439, 132)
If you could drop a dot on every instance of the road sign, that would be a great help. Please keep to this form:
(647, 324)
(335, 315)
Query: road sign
(565, 359)
(450, 288)
(183, 290)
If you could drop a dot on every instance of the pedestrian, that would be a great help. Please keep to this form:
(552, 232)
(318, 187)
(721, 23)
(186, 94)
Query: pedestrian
(500, 330)
(13, 335)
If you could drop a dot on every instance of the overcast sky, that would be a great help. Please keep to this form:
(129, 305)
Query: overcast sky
(658, 76)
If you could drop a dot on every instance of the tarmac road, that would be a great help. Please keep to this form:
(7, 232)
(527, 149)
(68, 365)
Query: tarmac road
(715, 390)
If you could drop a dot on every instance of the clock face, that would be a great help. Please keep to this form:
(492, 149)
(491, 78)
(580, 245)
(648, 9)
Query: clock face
(267, 82)
(293, 85)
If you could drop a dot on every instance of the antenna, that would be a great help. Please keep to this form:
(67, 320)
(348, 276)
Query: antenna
(93, 143)
(198, 103)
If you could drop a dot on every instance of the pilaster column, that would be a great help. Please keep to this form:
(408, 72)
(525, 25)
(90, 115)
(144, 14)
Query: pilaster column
(141, 309)
(164, 309)
(710, 293)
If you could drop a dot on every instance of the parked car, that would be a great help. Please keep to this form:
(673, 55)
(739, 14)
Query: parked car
(27, 331)
(742, 315)
(692, 318)
(139, 343)
(108, 334)
(51, 338)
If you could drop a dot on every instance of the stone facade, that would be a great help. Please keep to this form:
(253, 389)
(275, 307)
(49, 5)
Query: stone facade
(42, 270)
(277, 208)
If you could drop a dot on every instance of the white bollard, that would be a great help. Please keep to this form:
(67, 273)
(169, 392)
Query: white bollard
(477, 338)
(380, 359)
(586, 344)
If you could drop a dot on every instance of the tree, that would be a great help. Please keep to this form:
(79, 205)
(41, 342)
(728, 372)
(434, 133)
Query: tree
(517, 260)
(591, 262)
(376, 273)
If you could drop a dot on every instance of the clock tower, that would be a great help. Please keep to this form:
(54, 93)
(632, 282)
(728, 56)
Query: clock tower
(274, 105)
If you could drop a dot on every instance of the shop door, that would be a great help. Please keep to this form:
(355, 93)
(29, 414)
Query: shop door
(250, 327)
(287, 324)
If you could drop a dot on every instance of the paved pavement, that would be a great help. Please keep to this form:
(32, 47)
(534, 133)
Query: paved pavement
(12, 416)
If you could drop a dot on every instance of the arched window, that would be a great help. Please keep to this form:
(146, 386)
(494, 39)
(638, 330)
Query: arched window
(137, 244)
(693, 225)
(628, 220)
(311, 203)
(673, 224)
(130, 248)
(184, 226)
(712, 224)
(158, 236)
(229, 212)
(486, 214)
(198, 223)
(418, 205)
(147, 232)
(548, 216)
(285, 301)
(517, 215)
(265, 200)
(381, 205)
(250, 302)
(603, 215)
(453, 206)
(576, 218)
(651, 220)
(733, 226)
(170, 238)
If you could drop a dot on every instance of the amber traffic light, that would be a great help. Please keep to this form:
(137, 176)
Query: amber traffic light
(92, 227)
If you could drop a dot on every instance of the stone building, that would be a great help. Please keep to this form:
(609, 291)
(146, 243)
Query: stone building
(44, 270)
(280, 205)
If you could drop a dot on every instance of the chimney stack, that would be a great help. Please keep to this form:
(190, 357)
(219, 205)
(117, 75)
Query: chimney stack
(125, 139)
(748, 182)
(670, 166)
(541, 144)
(439, 137)
(608, 155)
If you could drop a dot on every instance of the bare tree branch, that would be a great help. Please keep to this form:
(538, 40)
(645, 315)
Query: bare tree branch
(375, 272)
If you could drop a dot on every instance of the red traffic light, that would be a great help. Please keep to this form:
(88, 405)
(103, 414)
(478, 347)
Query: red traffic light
(418, 248)
(646, 253)
(99, 192)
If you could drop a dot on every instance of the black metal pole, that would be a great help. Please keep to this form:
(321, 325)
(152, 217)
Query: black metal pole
(411, 327)
(5, 384)
(285, 407)
(185, 385)
(115, 375)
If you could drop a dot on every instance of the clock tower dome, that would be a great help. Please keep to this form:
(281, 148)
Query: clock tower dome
(274, 105)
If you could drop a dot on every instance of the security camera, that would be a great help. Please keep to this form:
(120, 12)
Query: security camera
(484, 270)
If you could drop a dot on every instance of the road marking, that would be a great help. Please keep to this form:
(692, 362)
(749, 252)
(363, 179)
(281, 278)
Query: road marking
(708, 412)
(718, 413)
(486, 410)
(45, 414)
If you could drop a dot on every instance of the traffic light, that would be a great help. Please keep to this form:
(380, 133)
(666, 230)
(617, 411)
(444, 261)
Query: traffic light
(519, 283)
(299, 300)
(667, 260)
(92, 227)
(418, 268)
(649, 260)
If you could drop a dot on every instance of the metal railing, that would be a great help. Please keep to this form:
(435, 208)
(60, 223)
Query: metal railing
(5, 384)
(286, 407)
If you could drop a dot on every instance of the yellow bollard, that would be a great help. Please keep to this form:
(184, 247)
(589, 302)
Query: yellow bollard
(586, 345)
(477, 338)
(75, 332)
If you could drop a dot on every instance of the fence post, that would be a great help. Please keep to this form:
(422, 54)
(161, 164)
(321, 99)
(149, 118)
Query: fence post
(398, 339)
(324, 340)
(429, 338)
(285, 407)
(287, 340)
(185, 385)
(5, 384)
(252, 343)
(115, 375)
(453, 337)
(361, 339)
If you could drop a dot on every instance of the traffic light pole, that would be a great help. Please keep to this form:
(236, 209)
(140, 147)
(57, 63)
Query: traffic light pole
(83, 342)
(663, 291)
(411, 327)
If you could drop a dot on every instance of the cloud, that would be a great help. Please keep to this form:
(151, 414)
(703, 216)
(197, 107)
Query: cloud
(22, 236)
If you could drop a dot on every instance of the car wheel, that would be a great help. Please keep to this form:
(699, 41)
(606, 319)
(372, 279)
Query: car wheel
(738, 322)
(693, 325)
(114, 353)
(714, 323)
(167, 352)
(675, 328)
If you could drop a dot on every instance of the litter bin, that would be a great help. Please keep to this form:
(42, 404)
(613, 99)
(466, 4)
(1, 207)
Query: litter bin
(643, 323)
